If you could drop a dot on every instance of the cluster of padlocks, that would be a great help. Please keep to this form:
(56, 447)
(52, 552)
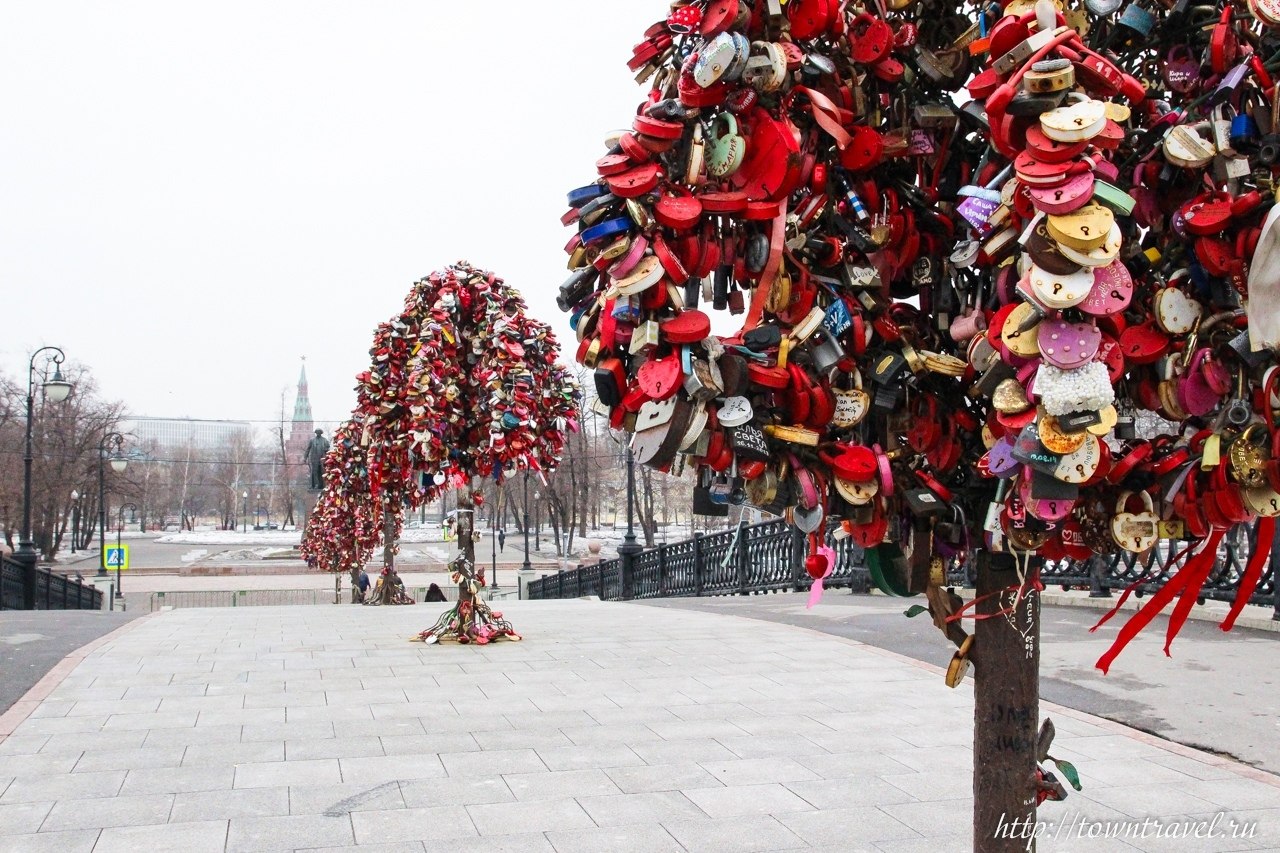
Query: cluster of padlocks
(965, 245)
(463, 387)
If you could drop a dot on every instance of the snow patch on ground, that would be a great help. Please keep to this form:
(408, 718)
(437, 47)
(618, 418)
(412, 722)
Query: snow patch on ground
(266, 537)
(232, 537)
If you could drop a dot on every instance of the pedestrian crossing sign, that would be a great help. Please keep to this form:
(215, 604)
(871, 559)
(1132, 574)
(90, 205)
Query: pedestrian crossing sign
(118, 557)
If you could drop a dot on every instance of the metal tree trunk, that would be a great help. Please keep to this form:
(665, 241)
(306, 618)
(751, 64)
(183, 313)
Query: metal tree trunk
(1006, 692)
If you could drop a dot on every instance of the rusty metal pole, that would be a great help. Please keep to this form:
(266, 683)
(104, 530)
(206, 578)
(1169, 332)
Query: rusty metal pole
(1006, 711)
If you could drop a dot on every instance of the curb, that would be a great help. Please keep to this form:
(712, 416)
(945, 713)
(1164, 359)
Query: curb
(20, 710)
(1247, 619)
(1199, 612)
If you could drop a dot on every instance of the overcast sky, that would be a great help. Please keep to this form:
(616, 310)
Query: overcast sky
(194, 195)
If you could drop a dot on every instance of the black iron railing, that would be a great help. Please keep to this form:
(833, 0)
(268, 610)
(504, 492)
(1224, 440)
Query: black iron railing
(40, 589)
(769, 557)
(753, 558)
(1151, 570)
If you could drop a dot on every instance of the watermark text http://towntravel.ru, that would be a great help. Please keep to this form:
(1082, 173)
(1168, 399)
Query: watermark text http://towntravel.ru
(1080, 826)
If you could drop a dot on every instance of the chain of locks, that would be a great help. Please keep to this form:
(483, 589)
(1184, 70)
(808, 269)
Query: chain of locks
(967, 244)
(463, 387)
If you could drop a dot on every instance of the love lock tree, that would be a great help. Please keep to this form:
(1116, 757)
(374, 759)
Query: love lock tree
(463, 389)
(344, 525)
(966, 245)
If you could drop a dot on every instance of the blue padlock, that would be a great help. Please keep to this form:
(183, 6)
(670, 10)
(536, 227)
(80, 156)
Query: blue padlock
(1244, 130)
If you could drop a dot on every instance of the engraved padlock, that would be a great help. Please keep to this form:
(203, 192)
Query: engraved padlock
(1126, 426)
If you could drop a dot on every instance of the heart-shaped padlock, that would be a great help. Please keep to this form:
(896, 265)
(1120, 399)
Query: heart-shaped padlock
(1068, 345)
(1101, 255)
(734, 411)
(851, 404)
(1075, 122)
(1111, 292)
(1060, 291)
(725, 148)
(659, 378)
(1175, 312)
(1135, 531)
(1081, 464)
(1045, 509)
(1083, 229)
(1190, 146)
(1194, 394)
(1020, 331)
(1000, 459)
(1072, 195)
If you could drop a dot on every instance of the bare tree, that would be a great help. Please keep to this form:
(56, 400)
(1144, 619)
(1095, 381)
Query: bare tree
(233, 474)
(65, 441)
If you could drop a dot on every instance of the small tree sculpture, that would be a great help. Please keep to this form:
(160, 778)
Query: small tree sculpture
(463, 387)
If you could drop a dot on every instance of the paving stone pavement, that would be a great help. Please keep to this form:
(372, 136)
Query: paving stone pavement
(612, 727)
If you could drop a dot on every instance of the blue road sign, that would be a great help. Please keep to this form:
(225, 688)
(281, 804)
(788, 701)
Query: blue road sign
(118, 557)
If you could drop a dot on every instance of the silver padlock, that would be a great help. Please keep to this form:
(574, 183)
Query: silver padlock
(1222, 130)
(1230, 168)
(827, 351)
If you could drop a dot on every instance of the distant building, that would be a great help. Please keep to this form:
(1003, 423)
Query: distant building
(300, 430)
(171, 433)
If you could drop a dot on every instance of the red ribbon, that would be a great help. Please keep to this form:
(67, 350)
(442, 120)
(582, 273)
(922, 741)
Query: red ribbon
(1185, 585)
(1253, 571)
(1128, 590)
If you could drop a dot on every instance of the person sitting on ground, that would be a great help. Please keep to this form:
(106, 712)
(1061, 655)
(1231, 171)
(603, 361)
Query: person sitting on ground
(435, 593)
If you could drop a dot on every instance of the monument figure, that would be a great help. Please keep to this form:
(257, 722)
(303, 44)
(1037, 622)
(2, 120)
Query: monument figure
(317, 447)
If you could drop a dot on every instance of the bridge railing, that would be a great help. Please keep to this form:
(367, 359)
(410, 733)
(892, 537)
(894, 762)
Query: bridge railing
(769, 557)
(37, 588)
(763, 557)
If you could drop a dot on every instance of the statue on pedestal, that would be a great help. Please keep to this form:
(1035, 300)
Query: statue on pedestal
(317, 447)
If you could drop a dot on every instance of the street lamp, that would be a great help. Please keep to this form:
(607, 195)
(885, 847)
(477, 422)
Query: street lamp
(537, 522)
(75, 518)
(119, 530)
(55, 391)
(118, 465)
(527, 565)
(493, 538)
(244, 515)
(629, 544)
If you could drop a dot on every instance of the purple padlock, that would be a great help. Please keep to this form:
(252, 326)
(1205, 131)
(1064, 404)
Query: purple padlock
(1068, 345)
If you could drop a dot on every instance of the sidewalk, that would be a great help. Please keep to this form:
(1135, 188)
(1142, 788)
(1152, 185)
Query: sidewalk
(612, 727)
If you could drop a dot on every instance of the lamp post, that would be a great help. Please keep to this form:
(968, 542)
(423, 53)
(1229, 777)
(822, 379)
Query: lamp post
(493, 538)
(537, 521)
(119, 531)
(629, 544)
(527, 566)
(257, 513)
(244, 514)
(75, 518)
(56, 390)
(118, 465)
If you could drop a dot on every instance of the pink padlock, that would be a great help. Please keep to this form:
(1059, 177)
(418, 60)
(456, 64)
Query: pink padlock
(1194, 394)
(1070, 196)
(1053, 509)
(1112, 290)
(1068, 345)
(968, 325)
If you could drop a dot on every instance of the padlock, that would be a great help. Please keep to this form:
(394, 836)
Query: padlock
(826, 350)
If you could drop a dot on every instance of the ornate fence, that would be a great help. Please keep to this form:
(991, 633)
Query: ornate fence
(763, 557)
(41, 589)
(769, 557)
(1151, 570)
